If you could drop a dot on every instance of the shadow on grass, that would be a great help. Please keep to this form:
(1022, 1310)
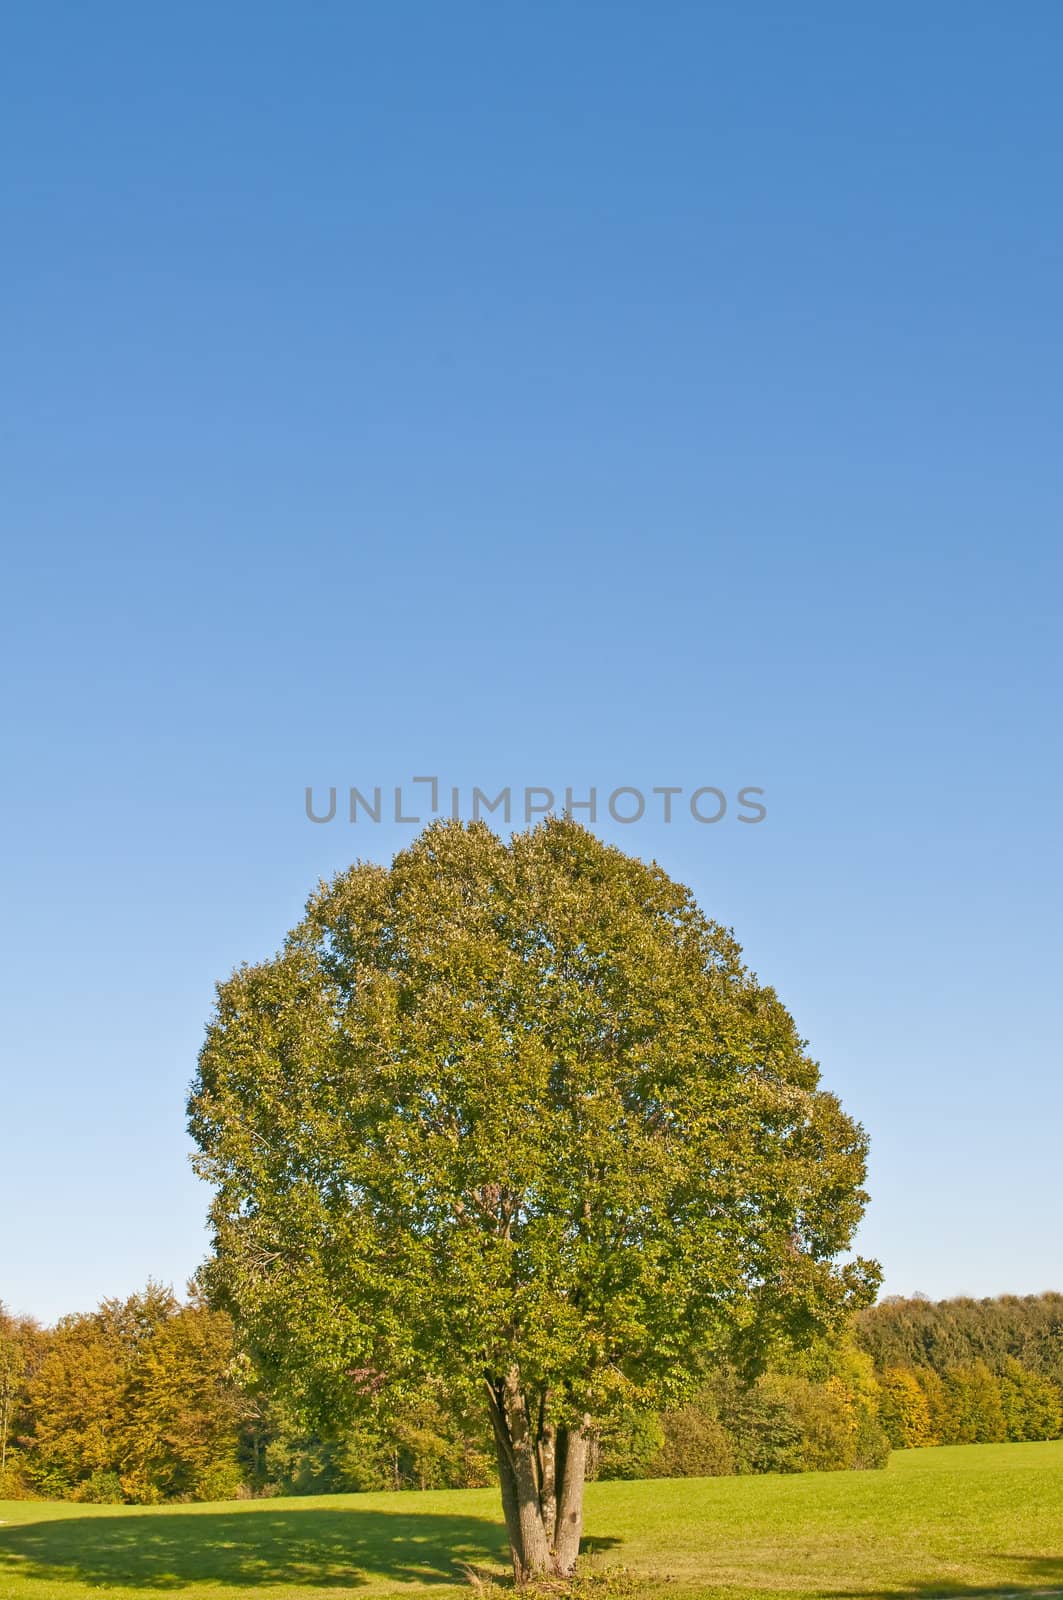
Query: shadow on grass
(341, 1548)
(348, 1548)
(1024, 1577)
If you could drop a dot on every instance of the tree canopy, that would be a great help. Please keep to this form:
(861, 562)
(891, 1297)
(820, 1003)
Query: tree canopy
(513, 1117)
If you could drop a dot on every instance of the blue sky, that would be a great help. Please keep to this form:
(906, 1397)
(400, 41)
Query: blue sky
(534, 395)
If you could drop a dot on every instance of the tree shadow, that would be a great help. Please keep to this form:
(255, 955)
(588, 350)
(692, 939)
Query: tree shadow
(327, 1548)
(172, 1548)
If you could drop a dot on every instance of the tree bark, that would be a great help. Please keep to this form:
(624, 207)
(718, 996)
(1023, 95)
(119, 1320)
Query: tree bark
(541, 1471)
(507, 1479)
(547, 1472)
(535, 1541)
(568, 1522)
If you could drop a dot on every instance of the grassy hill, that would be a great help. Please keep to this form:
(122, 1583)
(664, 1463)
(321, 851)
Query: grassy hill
(972, 1519)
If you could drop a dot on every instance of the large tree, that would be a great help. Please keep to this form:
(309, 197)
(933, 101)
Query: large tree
(512, 1117)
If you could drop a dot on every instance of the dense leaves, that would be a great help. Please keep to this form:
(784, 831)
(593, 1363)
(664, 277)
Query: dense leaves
(967, 1371)
(136, 1401)
(944, 1333)
(514, 1119)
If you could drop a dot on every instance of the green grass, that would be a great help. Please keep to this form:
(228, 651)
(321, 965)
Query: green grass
(976, 1519)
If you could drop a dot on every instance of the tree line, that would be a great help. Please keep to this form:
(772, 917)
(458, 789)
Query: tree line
(150, 1399)
(967, 1371)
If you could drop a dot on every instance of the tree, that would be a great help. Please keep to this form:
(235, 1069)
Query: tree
(181, 1410)
(694, 1444)
(19, 1338)
(12, 1377)
(764, 1433)
(904, 1411)
(1031, 1403)
(75, 1402)
(941, 1412)
(513, 1117)
(131, 1324)
(629, 1446)
(834, 1397)
(974, 1395)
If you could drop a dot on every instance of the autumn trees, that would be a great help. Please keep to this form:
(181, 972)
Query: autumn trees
(137, 1400)
(20, 1342)
(513, 1118)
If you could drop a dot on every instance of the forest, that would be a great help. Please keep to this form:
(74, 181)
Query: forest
(152, 1399)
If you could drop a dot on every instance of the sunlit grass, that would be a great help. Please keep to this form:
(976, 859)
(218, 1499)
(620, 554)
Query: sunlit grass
(976, 1519)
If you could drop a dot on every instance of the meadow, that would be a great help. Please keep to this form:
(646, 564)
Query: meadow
(961, 1520)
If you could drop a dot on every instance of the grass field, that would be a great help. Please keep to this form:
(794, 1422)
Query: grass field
(975, 1519)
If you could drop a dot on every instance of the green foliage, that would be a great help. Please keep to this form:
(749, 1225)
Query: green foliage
(823, 1417)
(628, 1446)
(101, 1487)
(21, 1348)
(976, 1411)
(695, 1444)
(217, 1480)
(871, 1445)
(818, 1410)
(938, 1404)
(130, 1326)
(835, 1397)
(181, 1409)
(147, 1400)
(764, 1432)
(951, 1333)
(437, 1448)
(1032, 1405)
(517, 1105)
(427, 1446)
(965, 1371)
(298, 1461)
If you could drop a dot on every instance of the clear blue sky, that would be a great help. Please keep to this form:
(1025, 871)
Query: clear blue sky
(534, 394)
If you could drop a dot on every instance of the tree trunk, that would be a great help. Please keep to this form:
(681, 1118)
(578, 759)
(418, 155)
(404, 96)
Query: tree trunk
(568, 1525)
(541, 1470)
